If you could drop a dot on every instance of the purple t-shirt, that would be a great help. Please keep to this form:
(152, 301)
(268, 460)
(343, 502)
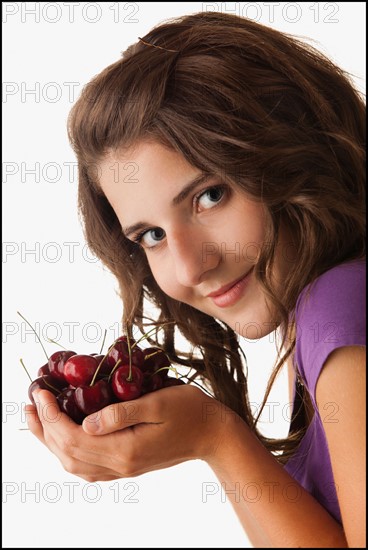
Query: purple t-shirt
(331, 317)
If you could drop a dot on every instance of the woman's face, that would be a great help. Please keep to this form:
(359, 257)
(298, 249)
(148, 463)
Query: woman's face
(200, 236)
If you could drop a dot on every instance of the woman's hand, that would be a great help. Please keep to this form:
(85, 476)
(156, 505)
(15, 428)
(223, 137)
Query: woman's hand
(127, 439)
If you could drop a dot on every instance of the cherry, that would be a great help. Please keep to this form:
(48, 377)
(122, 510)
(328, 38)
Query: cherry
(79, 369)
(46, 382)
(43, 370)
(105, 369)
(120, 350)
(68, 405)
(155, 359)
(127, 382)
(152, 382)
(91, 399)
(124, 338)
(56, 363)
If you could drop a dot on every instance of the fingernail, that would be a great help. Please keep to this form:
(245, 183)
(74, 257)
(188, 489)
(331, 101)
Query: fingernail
(35, 394)
(91, 426)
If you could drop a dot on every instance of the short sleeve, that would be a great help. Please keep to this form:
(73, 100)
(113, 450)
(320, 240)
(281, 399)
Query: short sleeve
(330, 313)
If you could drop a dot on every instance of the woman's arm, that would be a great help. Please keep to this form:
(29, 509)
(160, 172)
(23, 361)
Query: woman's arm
(266, 498)
(281, 510)
(342, 382)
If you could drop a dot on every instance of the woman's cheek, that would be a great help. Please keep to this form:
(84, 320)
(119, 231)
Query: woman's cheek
(166, 280)
(173, 289)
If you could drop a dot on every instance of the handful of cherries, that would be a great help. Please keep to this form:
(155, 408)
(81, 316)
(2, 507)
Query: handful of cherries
(84, 384)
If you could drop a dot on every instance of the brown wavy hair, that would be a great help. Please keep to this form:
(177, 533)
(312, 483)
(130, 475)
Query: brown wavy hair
(280, 121)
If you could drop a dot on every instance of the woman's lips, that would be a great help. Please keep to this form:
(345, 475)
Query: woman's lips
(230, 296)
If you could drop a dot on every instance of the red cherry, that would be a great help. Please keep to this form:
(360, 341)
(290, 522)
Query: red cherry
(152, 382)
(91, 399)
(126, 383)
(120, 351)
(56, 363)
(46, 382)
(68, 405)
(124, 338)
(79, 369)
(105, 369)
(155, 359)
(43, 370)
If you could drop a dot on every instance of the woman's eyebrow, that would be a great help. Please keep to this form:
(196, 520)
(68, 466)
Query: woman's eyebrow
(198, 180)
(180, 197)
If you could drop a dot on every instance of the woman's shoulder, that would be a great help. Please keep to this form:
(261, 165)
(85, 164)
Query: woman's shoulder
(336, 286)
(330, 313)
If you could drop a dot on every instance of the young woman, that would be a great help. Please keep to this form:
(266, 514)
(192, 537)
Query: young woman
(221, 178)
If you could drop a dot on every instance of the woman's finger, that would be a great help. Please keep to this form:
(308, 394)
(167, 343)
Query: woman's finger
(34, 423)
(149, 408)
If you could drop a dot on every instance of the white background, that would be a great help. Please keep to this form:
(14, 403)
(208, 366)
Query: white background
(50, 276)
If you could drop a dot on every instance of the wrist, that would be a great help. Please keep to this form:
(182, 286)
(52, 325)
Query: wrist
(227, 430)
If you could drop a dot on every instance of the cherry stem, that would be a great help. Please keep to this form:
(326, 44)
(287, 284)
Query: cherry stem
(153, 353)
(57, 343)
(43, 377)
(103, 342)
(114, 369)
(179, 376)
(166, 368)
(23, 365)
(100, 364)
(50, 385)
(129, 379)
(29, 324)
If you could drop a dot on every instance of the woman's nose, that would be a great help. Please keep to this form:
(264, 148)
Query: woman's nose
(193, 256)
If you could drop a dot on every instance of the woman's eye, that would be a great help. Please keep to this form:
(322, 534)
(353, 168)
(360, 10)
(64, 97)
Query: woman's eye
(210, 197)
(150, 237)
